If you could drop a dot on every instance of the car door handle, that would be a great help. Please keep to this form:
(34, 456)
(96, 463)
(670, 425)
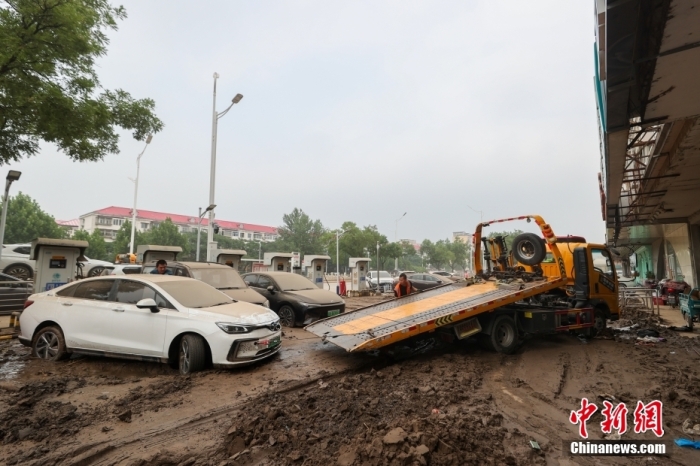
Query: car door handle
(66, 304)
(118, 309)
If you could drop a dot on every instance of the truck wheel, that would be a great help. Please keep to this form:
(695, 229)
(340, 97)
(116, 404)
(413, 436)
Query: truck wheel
(599, 323)
(689, 321)
(193, 354)
(504, 335)
(528, 249)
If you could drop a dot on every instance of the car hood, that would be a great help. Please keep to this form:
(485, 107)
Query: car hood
(245, 294)
(317, 296)
(239, 313)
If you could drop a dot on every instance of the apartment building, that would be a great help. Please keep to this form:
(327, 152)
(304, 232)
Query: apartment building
(110, 219)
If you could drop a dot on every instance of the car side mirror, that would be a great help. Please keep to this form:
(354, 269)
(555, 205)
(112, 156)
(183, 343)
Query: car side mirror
(271, 289)
(148, 303)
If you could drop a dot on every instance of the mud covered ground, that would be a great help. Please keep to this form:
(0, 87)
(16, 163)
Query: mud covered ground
(313, 404)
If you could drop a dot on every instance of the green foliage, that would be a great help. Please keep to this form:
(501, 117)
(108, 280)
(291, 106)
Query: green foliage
(438, 254)
(26, 221)
(301, 234)
(509, 235)
(98, 249)
(122, 240)
(460, 253)
(49, 89)
(166, 234)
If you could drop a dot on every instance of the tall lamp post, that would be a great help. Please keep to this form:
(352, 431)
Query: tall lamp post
(199, 224)
(396, 239)
(136, 192)
(212, 176)
(12, 175)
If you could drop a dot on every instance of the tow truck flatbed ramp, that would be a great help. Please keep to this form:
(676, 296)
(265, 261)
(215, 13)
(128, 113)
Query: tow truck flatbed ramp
(385, 323)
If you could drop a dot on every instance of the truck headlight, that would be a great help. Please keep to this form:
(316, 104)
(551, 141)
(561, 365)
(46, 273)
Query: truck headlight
(266, 304)
(233, 328)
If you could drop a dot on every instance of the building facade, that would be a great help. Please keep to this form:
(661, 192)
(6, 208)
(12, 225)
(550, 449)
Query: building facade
(109, 220)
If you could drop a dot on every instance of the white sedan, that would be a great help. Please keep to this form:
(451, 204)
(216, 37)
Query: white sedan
(159, 318)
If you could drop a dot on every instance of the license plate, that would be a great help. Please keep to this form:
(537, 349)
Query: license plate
(334, 312)
(268, 343)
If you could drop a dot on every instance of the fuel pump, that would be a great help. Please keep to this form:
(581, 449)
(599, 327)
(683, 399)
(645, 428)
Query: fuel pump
(316, 268)
(278, 261)
(57, 262)
(230, 257)
(359, 267)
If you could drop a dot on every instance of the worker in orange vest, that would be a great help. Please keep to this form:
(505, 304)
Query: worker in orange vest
(403, 287)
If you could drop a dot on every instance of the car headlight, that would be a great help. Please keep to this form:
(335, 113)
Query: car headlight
(308, 305)
(266, 304)
(233, 328)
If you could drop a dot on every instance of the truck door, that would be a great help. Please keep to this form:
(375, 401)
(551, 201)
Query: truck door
(603, 279)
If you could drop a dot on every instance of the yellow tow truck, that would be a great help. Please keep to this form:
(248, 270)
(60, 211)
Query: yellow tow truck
(546, 287)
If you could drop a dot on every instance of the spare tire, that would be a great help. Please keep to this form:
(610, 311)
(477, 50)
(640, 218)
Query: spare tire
(528, 249)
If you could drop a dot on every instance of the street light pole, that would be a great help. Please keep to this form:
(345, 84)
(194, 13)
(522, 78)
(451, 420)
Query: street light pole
(396, 239)
(338, 234)
(212, 174)
(199, 225)
(12, 175)
(136, 192)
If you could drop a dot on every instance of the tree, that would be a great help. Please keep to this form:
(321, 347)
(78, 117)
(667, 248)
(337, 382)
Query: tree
(49, 89)
(122, 240)
(98, 248)
(460, 253)
(438, 254)
(166, 234)
(27, 222)
(388, 254)
(509, 236)
(301, 234)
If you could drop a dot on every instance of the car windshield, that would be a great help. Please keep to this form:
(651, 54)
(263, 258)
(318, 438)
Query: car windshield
(194, 294)
(294, 282)
(219, 277)
(383, 274)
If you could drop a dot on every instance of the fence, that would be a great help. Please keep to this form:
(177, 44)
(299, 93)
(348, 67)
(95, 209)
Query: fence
(639, 298)
(13, 294)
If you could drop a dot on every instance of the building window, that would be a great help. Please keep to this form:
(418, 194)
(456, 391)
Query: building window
(118, 221)
(234, 234)
(104, 221)
(257, 236)
(144, 226)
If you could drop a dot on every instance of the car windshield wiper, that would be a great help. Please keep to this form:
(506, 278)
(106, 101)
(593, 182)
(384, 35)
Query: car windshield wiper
(230, 288)
(219, 304)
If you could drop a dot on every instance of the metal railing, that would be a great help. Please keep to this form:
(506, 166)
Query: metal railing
(13, 294)
(639, 298)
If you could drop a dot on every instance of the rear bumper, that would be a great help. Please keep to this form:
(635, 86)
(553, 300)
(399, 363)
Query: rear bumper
(24, 341)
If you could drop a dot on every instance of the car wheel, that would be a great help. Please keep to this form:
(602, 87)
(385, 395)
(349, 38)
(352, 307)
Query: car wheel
(21, 271)
(504, 335)
(95, 271)
(49, 344)
(287, 316)
(193, 354)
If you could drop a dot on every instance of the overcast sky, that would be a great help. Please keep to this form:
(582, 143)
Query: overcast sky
(353, 111)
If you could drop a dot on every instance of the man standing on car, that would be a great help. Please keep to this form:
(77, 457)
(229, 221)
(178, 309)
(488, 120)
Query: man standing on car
(161, 268)
(403, 287)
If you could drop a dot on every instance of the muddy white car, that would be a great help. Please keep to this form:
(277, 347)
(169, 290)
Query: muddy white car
(160, 318)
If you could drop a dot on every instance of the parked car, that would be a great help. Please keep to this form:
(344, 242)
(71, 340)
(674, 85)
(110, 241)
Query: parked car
(158, 318)
(385, 279)
(626, 282)
(295, 298)
(94, 267)
(13, 293)
(220, 276)
(121, 269)
(15, 261)
(445, 274)
(425, 281)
